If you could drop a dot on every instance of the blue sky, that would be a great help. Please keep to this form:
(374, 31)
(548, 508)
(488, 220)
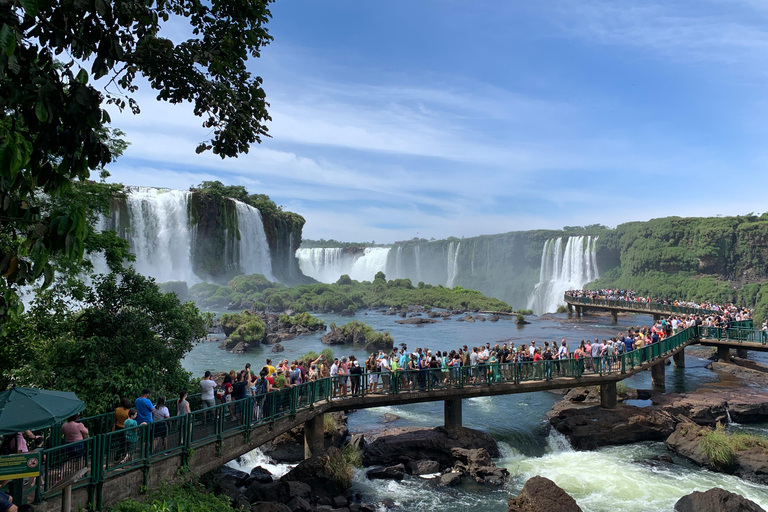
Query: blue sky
(444, 118)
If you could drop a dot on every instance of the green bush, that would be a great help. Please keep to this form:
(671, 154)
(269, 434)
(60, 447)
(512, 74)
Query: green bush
(252, 331)
(176, 498)
(302, 319)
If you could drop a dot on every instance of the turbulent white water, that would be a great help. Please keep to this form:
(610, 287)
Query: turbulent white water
(159, 232)
(563, 269)
(256, 458)
(253, 247)
(328, 264)
(453, 263)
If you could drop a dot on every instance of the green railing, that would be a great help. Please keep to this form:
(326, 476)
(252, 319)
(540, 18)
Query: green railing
(650, 307)
(742, 334)
(111, 453)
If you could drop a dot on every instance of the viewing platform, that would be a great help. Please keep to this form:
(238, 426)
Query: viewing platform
(577, 305)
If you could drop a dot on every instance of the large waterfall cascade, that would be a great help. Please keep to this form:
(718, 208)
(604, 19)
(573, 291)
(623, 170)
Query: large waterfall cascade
(162, 236)
(329, 263)
(453, 263)
(563, 269)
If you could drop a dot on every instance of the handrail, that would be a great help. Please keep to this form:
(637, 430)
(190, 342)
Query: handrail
(108, 454)
(640, 306)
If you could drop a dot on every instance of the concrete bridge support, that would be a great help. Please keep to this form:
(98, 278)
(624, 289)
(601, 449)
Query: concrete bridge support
(614, 317)
(724, 354)
(452, 410)
(314, 436)
(658, 374)
(679, 359)
(570, 310)
(741, 352)
(608, 395)
(579, 311)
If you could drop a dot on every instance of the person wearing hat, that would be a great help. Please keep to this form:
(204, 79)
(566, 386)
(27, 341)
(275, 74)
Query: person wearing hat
(280, 381)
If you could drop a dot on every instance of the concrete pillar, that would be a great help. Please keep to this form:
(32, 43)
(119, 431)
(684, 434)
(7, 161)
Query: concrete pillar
(741, 352)
(579, 311)
(314, 436)
(570, 310)
(724, 354)
(658, 374)
(614, 317)
(608, 395)
(452, 409)
(679, 359)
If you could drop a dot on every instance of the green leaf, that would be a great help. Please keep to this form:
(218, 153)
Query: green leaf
(41, 111)
(30, 7)
(7, 40)
(82, 76)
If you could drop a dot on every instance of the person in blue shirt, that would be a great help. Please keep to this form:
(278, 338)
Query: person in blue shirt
(144, 408)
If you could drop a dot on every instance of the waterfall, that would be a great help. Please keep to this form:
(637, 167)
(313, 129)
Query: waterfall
(453, 260)
(327, 264)
(253, 248)
(562, 270)
(399, 270)
(159, 232)
(416, 252)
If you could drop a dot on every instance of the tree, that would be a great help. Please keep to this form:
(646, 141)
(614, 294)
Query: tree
(125, 336)
(54, 129)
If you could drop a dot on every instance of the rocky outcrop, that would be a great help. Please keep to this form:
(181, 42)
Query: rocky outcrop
(588, 428)
(289, 447)
(541, 494)
(750, 463)
(396, 472)
(477, 464)
(404, 445)
(716, 500)
(709, 408)
(418, 320)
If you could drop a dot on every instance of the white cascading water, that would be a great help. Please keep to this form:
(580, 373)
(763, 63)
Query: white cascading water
(253, 247)
(453, 260)
(399, 274)
(160, 234)
(563, 269)
(329, 263)
(416, 255)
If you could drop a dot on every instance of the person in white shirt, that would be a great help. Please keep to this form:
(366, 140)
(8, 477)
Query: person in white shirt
(208, 385)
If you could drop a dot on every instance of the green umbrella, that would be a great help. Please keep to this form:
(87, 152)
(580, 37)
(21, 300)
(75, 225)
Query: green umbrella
(35, 409)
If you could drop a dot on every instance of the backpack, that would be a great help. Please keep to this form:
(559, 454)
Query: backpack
(261, 386)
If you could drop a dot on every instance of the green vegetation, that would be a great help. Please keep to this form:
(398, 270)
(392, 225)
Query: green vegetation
(342, 469)
(340, 296)
(122, 323)
(330, 425)
(356, 329)
(302, 319)
(177, 498)
(721, 447)
(243, 327)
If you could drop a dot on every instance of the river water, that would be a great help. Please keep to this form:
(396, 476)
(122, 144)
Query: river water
(609, 479)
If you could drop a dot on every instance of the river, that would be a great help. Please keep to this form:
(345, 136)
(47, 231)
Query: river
(608, 479)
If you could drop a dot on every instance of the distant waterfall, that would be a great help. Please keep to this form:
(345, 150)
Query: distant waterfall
(562, 270)
(159, 232)
(253, 248)
(417, 257)
(328, 264)
(453, 259)
(399, 270)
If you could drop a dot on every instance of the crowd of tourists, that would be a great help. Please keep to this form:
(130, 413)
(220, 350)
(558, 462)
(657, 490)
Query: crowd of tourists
(630, 296)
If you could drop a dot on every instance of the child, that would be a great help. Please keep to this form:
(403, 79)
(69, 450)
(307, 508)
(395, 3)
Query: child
(131, 435)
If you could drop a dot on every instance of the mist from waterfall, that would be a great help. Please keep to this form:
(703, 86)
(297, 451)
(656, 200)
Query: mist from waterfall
(327, 264)
(563, 269)
(253, 247)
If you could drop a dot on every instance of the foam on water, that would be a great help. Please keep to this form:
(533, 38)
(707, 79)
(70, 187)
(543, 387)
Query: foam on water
(257, 458)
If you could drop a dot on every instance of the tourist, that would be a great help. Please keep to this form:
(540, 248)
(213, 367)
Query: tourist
(280, 381)
(160, 427)
(144, 408)
(121, 414)
(355, 375)
(6, 503)
(131, 435)
(182, 406)
(207, 385)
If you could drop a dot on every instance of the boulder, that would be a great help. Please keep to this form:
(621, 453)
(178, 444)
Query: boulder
(541, 494)
(477, 464)
(298, 504)
(347, 312)
(334, 337)
(403, 445)
(358, 441)
(381, 344)
(396, 472)
(271, 339)
(750, 464)
(269, 507)
(278, 348)
(422, 467)
(451, 479)
(318, 474)
(588, 428)
(493, 318)
(417, 321)
(716, 500)
(261, 475)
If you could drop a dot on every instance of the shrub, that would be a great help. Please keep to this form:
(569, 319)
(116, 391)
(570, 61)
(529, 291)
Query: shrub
(562, 309)
(252, 331)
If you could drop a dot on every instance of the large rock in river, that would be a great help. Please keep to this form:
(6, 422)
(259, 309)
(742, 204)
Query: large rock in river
(541, 494)
(716, 500)
(404, 445)
(588, 428)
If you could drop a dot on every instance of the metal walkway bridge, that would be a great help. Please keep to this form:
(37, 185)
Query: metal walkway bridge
(110, 466)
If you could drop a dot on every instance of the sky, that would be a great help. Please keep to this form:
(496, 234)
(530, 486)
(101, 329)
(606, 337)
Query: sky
(418, 118)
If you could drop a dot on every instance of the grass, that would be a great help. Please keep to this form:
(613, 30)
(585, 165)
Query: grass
(721, 447)
(342, 469)
(621, 388)
(330, 425)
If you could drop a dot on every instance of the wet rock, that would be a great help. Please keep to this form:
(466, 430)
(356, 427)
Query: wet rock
(289, 447)
(477, 464)
(493, 318)
(347, 312)
(317, 473)
(417, 321)
(358, 441)
(278, 348)
(382, 344)
(271, 339)
(588, 428)
(716, 500)
(396, 472)
(269, 507)
(403, 445)
(451, 479)
(298, 504)
(422, 467)
(339, 502)
(261, 475)
(541, 494)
